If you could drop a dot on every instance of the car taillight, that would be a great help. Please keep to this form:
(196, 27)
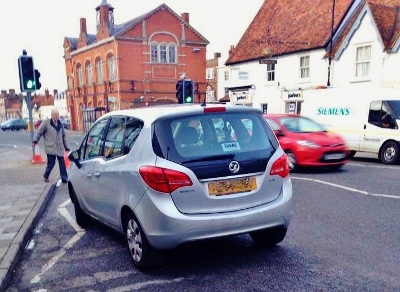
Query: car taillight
(162, 179)
(214, 109)
(280, 166)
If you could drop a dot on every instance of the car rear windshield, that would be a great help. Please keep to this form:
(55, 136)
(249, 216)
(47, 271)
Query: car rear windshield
(213, 136)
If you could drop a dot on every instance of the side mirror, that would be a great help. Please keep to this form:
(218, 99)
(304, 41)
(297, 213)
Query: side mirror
(74, 157)
(278, 133)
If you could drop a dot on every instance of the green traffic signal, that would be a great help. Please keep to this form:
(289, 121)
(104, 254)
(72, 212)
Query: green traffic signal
(26, 73)
(30, 84)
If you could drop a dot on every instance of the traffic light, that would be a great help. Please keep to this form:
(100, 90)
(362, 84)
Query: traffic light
(26, 73)
(179, 91)
(37, 80)
(188, 95)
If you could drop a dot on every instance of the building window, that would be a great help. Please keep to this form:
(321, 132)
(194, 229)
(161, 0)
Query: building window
(305, 67)
(210, 73)
(80, 75)
(172, 54)
(112, 76)
(70, 82)
(271, 72)
(226, 75)
(163, 54)
(154, 53)
(99, 69)
(363, 61)
(89, 73)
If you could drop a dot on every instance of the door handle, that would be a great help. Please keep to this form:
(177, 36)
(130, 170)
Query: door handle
(88, 175)
(97, 174)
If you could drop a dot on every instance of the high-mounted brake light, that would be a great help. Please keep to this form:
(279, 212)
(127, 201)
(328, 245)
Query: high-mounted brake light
(164, 180)
(280, 166)
(214, 109)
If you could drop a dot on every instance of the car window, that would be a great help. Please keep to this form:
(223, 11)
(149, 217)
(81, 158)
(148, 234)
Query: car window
(114, 137)
(94, 140)
(301, 125)
(133, 128)
(185, 138)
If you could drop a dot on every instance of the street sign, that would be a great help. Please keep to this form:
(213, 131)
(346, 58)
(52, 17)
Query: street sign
(267, 61)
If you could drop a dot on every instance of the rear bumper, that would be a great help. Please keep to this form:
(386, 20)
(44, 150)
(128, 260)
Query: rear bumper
(166, 228)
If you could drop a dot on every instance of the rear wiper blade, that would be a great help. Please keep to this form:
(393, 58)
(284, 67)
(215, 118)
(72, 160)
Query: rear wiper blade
(208, 158)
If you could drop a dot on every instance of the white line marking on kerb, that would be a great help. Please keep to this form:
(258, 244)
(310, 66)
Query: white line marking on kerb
(347, 188)
(80, 232)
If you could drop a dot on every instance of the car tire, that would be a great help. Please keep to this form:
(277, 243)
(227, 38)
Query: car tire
(83, 219)
(352, 153)
(389, 153)
(144, 257)
(293, 167)
(12, 128)
(269, 237)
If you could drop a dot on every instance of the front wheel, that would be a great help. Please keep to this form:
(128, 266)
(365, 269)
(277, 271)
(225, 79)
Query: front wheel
(83, 219)
(144, 257)
(269, 237)
(389, 153)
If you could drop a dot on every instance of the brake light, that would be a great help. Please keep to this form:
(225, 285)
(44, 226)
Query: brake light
(280, 167)
(214, 109)
(164, 180)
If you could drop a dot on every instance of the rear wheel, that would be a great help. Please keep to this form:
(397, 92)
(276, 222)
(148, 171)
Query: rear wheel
(269, 237)
(83, 219)
(389, 153)
(12, 128)
(144, 257)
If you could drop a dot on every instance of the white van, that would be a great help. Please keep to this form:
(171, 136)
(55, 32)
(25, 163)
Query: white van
(368, 120)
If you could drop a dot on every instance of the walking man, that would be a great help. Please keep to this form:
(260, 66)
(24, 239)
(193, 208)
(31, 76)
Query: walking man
(55, 144)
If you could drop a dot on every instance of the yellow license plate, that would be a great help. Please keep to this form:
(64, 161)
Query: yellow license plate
(232, 186)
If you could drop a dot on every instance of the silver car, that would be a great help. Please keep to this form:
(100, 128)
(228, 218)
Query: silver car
(163, 176)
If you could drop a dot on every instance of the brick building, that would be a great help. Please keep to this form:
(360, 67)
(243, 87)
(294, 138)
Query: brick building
(132, 64)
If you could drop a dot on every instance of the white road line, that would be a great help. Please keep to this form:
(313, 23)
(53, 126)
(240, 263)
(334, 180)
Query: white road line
(80, 232)
(347, 188)
(374, 166)
(141, 285)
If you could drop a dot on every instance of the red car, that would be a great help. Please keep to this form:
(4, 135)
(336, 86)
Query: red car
(307, 143)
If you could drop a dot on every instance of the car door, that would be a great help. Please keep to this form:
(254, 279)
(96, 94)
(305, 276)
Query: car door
(105, 175)
(83, 180)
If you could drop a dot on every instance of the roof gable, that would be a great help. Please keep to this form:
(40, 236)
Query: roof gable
(385, 16)
(288, 26)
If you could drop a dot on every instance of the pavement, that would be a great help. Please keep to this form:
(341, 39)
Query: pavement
(23, 197)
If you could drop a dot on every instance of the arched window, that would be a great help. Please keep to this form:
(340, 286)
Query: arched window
(89, 72)
(112, 76)
(70, 82)
(80, 75)
(163, 53)
(99, 69)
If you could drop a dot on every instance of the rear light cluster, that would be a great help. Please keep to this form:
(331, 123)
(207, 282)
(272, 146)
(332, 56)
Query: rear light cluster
(280, 166)
(164, 180)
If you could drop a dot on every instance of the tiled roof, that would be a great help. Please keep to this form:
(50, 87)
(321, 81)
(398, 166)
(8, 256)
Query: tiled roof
(288, 26)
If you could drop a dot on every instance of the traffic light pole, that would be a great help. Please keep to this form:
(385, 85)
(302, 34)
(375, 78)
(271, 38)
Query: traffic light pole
(29, 105)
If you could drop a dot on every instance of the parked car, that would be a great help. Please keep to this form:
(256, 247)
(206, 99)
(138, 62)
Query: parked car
(14, 124)
(307, 143)
(150, 174)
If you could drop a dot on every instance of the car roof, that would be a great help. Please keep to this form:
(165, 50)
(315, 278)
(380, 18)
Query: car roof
(152, 113)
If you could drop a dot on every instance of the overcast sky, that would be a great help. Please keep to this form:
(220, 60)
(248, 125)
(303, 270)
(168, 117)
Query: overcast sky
(39, 27)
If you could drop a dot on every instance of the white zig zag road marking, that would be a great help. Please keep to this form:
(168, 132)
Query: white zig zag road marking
(347, 188)
(80, 232)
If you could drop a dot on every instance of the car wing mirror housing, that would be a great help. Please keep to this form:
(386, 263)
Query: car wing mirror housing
(278, 133)
(74, 157)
